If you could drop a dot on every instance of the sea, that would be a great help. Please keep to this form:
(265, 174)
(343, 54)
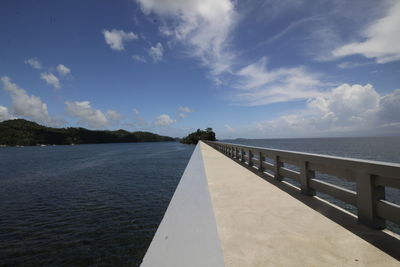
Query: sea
(100, 205)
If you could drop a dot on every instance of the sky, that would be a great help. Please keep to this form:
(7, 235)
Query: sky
(247, 69)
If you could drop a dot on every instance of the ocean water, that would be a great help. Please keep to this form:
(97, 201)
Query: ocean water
(385, 149)
(85, 205)
(100, 205)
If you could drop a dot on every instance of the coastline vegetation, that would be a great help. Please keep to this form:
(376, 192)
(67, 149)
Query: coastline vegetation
(20, 132)
(195, 137)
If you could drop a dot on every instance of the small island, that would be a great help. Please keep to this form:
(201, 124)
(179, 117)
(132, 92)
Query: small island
(195, 137)
(20, 132)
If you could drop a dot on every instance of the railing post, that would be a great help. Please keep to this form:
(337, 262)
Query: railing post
(237, 152)
(305, 175)
(250, 160)
(367, 196)
(260, 162)
(278, 165)
(242, 158)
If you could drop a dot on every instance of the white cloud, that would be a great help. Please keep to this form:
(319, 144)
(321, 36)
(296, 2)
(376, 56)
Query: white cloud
(135, 111)
(381, 39)
(156, 52)
(346, 109)
(34, 63)
(203, 26)
(50, 79)
(259, 86)
(185, 109)
(63, 70)
(4, 114)
(113, 115)
(139, 58)
(164, 120)
(25, 105)
(116, 38)
(87, 114)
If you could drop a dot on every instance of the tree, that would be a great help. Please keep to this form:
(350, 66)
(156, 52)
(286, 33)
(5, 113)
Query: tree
(193, 138)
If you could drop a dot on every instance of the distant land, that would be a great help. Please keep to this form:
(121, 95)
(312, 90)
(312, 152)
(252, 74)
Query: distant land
(195, 137)
(20, 132)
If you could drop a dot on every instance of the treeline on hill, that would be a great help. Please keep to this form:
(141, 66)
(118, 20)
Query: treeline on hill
(194, 137)
(26, 133)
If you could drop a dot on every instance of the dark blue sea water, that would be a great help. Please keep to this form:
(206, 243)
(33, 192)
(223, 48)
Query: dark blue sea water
(85, 205)
(100, 205)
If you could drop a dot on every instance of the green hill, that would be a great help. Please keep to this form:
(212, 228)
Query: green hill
(26, 133)
(193, 138)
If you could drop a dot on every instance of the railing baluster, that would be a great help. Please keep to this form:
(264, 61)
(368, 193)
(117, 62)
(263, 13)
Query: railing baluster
(367, 196)
(242, 158)
(250, 158)
(305, 175)
(260, 162)
(278, 165)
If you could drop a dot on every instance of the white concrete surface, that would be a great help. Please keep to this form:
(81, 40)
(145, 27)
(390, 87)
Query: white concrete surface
(187, 235)
(260, 225)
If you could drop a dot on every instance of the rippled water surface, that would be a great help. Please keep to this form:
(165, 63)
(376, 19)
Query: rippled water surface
(85, 205)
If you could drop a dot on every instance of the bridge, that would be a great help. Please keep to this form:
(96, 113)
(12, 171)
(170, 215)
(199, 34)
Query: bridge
(234, 207)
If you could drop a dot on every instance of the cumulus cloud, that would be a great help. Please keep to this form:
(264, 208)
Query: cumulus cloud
(343, 110)
(25, 105)
(156, 52)
(139, 58)
(381, 39)
(113, 115)
(63, 70)
(164, 120)
(86, 114)
(34, 63)
(202, 26)
(116, 38)
(4, 114)
(50, 79)
(259, 86)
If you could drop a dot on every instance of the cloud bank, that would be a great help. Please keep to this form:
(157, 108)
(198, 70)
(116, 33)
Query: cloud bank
(347, 109)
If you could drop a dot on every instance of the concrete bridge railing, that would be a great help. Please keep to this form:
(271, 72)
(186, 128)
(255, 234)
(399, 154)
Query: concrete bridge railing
(371, 177)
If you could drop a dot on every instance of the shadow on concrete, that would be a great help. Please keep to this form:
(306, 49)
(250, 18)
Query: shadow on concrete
(387, 242)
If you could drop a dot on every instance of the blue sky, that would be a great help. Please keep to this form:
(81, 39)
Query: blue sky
(254, 69)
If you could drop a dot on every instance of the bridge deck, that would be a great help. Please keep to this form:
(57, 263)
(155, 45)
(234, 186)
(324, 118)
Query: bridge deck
(258, 224)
